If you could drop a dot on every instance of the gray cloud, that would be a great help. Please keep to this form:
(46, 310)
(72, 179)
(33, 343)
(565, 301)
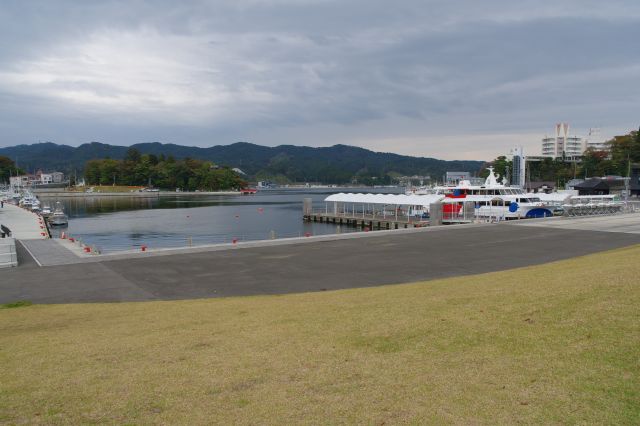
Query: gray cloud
(458, 79)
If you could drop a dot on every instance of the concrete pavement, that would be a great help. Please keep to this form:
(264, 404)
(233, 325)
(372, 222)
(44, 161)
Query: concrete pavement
(24, 224)
(626, 223)
(386, 258)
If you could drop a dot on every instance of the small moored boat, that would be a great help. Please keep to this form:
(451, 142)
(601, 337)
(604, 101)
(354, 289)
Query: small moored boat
(46, 210)
(58, 218)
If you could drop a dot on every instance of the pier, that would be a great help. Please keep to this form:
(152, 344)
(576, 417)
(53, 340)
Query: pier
(23, 224)
(365, 221)
(17, 223)
(388, 211)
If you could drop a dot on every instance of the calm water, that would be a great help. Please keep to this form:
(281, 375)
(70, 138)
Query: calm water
(113, 224)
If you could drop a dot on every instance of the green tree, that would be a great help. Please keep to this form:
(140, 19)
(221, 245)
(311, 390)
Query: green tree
(92, 172)
(109, 172)
(7, 169)
(132, 155)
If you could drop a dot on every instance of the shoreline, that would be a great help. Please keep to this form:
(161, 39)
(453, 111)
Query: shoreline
(69, 194)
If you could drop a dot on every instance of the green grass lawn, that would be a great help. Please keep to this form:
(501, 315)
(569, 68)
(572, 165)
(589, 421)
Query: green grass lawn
(557, 343)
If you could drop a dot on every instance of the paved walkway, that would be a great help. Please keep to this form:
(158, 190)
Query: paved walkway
(24, 224)
(626, 223)
(386, 258)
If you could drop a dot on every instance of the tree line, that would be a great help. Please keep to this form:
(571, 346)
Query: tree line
(161, 171)
(7, 169)
(623, 151)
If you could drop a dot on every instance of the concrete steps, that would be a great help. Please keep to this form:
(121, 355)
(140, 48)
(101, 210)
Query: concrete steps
(8, 256)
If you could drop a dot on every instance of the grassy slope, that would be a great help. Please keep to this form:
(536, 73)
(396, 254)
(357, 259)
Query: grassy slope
(548, 344)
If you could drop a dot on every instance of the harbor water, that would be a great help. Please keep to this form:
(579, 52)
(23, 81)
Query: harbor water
(123, 223)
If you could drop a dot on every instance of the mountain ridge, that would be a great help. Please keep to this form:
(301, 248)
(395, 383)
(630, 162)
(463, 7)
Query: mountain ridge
(285, 163)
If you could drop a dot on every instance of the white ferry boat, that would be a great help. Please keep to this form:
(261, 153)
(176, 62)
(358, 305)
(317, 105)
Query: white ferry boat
(492, 200)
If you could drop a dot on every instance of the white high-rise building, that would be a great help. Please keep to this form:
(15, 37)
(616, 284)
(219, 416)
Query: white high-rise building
(562, 144)
(595, 140)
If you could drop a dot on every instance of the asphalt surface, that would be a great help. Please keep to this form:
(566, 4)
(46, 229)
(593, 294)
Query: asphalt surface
(313, 266)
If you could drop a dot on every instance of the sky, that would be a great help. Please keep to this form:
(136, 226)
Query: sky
(455, 79)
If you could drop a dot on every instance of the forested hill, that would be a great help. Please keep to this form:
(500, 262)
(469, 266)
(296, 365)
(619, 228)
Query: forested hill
(285, 163)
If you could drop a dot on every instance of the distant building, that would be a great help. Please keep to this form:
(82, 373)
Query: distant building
(57, 177)
(595, 141)
(39, 178)
(238, 171)
(563, 145)
(634, 183)
(263, 184)
(593, 186)
(453, 178)
(604, 186)
(541, 187)
(519, 162)
(46, 178)
(572, 183)
(19, 181)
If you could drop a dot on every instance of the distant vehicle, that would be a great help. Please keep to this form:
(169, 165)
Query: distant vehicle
(248, 191)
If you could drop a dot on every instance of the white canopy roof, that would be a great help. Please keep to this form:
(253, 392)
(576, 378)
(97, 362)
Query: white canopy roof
(385, 199)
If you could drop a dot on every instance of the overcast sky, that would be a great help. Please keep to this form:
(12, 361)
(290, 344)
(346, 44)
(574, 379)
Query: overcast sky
(450, 79)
